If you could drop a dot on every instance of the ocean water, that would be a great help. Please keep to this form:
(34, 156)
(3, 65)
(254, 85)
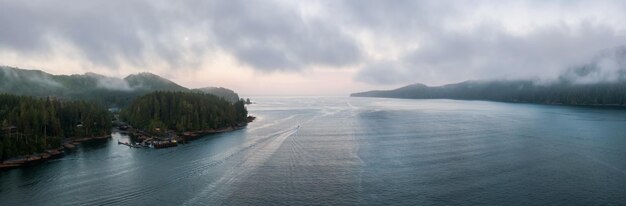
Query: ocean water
(355, 151)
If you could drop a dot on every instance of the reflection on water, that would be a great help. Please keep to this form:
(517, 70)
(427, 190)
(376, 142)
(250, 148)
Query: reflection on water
(354, 151)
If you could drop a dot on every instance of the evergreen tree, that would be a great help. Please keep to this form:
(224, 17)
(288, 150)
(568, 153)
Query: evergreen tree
(31, 125)
(183, 111)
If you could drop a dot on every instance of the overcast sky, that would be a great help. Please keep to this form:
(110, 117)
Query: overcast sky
(329, 47)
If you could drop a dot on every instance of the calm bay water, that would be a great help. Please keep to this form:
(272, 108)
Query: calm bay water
(348, 151)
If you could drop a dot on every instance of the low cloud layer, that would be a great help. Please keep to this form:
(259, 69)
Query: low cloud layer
(31, 77)
(386, 42)
(110, 83)
(489, 53)
(607, 66)
(491, 40)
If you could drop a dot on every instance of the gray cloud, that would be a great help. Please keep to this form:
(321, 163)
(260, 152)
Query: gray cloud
(423, 41)
(484, 50)
(607, 66)
(385, 72)
(27, 77)
(263, 34)
(275, 37)
(489, 52)
(102, 30)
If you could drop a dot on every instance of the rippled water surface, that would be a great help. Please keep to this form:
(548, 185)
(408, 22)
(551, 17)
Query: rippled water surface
(348, 151)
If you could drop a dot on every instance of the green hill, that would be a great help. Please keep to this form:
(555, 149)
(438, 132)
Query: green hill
(109, 91)
(514, 91)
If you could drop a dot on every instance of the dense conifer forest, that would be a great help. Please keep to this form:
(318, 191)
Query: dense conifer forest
(183, 111)
(30, 125)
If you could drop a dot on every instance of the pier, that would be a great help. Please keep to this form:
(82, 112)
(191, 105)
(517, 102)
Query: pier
(129, 144)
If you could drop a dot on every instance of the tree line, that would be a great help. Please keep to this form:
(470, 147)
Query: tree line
(183, 111)
(610, 93)
(31, 125)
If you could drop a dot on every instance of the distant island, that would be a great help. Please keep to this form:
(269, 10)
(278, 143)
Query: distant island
(588, 84)
(606, 94)
(41, 114)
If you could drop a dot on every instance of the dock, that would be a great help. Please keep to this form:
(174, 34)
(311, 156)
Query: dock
(129, 144)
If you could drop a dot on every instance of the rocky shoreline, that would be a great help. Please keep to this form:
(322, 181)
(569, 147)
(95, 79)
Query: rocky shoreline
(48, 154)
(191, 135)
(146, 139)
(73, 142)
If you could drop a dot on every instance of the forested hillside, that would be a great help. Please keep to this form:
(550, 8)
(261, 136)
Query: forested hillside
(514, 91)
(30, 125)
(92, 87)
(182, 111)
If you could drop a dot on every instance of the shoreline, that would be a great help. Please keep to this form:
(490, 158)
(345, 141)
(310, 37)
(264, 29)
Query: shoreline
(600, 106)
(71, 143)
(150, 140)
(48, 154)
(191, 135)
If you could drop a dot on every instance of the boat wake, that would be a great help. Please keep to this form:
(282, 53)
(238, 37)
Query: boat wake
(263, 150)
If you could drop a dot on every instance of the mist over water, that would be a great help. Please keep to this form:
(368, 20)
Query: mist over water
(347, 151)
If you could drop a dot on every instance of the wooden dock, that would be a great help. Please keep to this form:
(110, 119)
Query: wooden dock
(129, 144)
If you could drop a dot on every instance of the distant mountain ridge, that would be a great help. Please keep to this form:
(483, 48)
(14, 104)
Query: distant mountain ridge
(602, 81)
(110, 91)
